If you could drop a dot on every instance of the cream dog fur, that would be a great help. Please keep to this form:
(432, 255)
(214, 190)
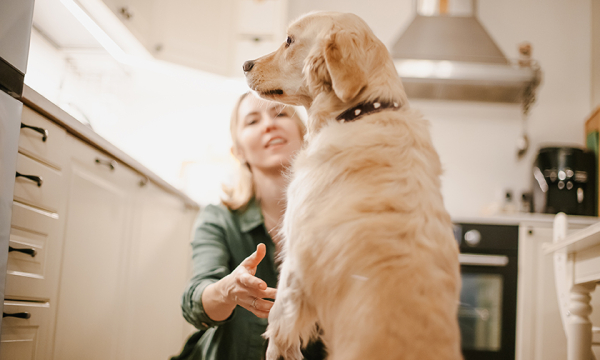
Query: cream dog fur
(368, 253)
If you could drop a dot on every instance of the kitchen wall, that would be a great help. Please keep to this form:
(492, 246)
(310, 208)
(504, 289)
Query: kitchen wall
(477, 141)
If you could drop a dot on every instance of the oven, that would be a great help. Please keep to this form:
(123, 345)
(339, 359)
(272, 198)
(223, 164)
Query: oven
(488, 299)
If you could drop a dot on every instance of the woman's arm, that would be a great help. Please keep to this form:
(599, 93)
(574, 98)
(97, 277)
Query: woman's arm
(214, 285)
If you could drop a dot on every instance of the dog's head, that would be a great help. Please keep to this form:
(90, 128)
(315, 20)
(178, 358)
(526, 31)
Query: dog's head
(328, 58)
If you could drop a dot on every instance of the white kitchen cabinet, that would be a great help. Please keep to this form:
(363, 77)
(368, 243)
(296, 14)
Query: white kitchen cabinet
(540, 334)
(33, 265)
(125, 263)
(136, 15)
(195, 33)
(97, 242)
(159, 270)
(213, 36)
(111, 244)
(260, 28)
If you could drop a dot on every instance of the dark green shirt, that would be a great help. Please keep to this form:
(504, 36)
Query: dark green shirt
(222, 240)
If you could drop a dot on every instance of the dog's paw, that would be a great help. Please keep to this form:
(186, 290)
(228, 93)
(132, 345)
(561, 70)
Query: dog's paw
(276, 353)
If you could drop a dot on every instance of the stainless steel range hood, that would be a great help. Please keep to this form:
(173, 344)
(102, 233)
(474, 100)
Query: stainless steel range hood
(445, 53)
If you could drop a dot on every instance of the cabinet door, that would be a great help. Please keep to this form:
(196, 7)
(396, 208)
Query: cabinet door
(195, 33)
(96, 250)
(159, 271)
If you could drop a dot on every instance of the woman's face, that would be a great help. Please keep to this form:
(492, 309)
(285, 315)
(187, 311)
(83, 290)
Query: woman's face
(268, 137)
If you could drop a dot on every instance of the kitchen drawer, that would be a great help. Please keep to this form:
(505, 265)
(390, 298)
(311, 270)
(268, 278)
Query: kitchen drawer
(31, 142)
(95, 165)
(48, 196)
(33, 276)
(25, 339)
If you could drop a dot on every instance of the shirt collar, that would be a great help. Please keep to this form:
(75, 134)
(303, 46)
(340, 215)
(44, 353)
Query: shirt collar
(251, 217)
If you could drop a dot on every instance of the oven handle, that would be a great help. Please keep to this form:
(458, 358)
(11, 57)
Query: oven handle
(483, 260)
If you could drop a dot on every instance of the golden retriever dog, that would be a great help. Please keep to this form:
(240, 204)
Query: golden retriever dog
(369, 260)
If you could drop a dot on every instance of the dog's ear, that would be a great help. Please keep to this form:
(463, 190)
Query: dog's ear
(345, 63)
(315, 70)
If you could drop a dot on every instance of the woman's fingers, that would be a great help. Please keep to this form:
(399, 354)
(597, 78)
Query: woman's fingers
(259, 307)
(252, 282)
(252, 261)
(268, 293)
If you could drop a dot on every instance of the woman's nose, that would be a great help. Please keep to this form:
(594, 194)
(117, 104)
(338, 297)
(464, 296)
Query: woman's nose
(270, 123)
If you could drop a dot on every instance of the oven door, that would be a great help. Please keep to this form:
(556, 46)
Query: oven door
(487, 312)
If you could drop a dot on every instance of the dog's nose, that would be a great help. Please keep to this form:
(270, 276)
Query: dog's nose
(248, 65)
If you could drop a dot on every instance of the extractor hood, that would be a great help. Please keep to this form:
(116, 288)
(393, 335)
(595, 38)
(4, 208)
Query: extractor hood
(445, 53)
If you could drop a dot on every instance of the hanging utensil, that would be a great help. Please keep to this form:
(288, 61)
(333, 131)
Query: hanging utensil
(528, 100)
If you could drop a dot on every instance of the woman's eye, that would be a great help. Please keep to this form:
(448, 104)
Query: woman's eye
(288, 42)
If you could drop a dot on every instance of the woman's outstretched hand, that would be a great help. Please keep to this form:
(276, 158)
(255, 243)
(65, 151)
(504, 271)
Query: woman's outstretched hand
(248, 291)
(241, 288)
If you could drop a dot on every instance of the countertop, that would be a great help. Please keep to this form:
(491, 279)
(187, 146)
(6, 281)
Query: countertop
(45, 107)
(519, 218)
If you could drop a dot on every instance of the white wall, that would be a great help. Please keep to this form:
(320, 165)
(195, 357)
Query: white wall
(477, 142)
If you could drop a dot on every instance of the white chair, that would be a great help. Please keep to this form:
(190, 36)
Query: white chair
(573, 300)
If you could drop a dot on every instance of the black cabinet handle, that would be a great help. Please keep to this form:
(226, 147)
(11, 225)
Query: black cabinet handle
(110, 163)
(34, 178)
(31, 252)
(20, 315)
(42, 131)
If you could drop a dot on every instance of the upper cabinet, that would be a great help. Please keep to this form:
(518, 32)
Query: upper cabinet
(215, 36)
(260, 29)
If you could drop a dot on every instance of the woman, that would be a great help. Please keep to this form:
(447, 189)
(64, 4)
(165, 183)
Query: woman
(234, 248)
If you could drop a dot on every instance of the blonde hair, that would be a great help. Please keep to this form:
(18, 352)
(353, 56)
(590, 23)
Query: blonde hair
(238, 196)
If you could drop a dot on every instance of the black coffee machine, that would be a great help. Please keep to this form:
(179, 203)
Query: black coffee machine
(564, 180)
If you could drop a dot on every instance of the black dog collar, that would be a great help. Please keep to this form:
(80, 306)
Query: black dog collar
(365, 109)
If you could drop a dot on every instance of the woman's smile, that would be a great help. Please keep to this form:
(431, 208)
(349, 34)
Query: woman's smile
(276, 141)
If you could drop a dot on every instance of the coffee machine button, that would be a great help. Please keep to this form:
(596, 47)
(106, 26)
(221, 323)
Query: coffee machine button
(569, 173)
(569, 185)
(562, 175)
(472, 237)
(561, 185)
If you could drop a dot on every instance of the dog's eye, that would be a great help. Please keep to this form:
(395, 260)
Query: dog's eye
(288, 42)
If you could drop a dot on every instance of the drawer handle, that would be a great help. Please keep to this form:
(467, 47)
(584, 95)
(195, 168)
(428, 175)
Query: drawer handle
(31, 252)
(34, 178)
(20, 315)
(110, 163)
(44, 132)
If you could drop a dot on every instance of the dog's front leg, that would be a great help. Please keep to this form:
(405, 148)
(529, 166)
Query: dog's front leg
(290, 319)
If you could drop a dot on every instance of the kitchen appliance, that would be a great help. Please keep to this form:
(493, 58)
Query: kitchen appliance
(488, 299)
(446, 53)
(564, 180)
(15, 31)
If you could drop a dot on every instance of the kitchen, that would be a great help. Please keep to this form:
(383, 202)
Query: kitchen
(162, 95)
